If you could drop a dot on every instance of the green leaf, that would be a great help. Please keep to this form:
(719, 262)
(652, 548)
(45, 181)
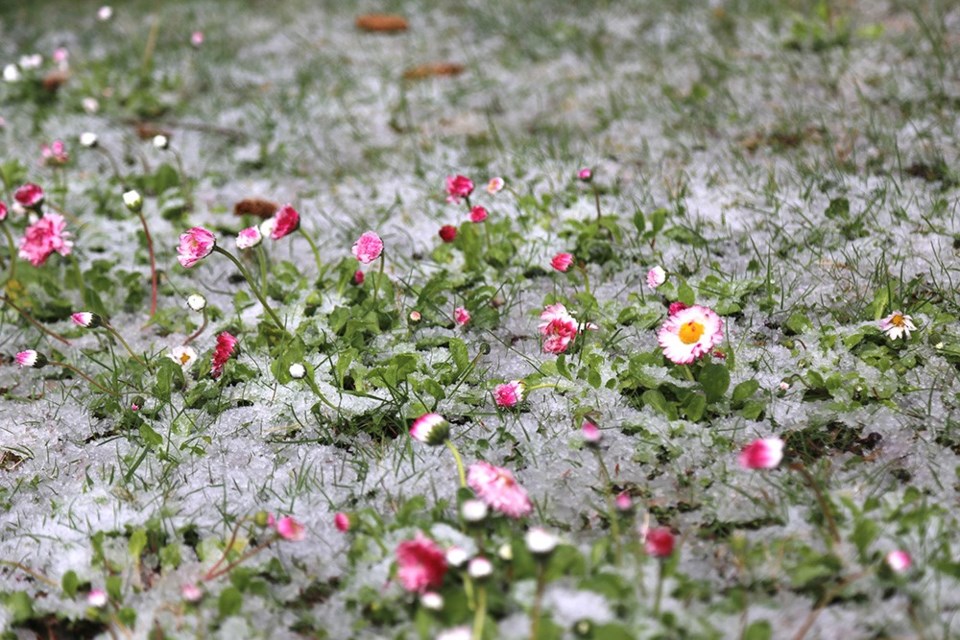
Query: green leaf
(758, 630)
(230, 602)
(639, 221)
(694, 407)
(70, 582)
(655, 399)
(458, 351)
(150, 437)
(138, 542)
(743, 391)
(562, 367)
(838, 208)
(715, 380)
(170, 557)
(20, 604)
(685, 294)
(114, 586)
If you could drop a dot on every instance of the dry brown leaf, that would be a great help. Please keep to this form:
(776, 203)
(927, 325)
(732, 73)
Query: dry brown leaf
(433, 69)
(381, 23)
(255, 207)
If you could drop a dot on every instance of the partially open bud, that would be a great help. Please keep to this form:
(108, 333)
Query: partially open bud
(161, 141)
(88, 139)
(31, 358)
(133, 200)
(297, 371)
(431, 429)
(540, 542)
(196, 302)
(480, 568)
(474, 511)
(87, 320)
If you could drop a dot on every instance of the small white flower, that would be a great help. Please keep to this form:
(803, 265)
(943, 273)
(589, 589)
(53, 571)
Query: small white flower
(104, 13)
(897, 325)
(196, 302)
(297, 371)
(88, 139)
(505, 551)
(90, 105)
(32, 61)
(11, 73)
(540, 542)
(480, 568)
(97, 598)
(457, 633)
(456, 556)
(161, 141)
(474, 510)
(184, 356)
(133, 200)
(432, 600)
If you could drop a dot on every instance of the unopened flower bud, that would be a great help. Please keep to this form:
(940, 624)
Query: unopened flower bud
(196, 302)
(297, 371)
(161, 141)
(88, 139)
(133, 200)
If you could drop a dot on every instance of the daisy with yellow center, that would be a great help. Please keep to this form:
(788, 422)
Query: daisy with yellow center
(897, 325)
(689, 334)
(183, 356)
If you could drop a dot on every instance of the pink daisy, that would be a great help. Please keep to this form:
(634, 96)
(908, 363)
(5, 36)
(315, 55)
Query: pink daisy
(55, 154)
(458, 187)
(226, 345)
(509, 394)
(461, 316)
(448, 233)
(421, 564)
(495, 185)
(430, 428)
(290, 529)
(195, 245)
(285, 221)
(45, 237)
(562, 261)
(249, 238)
(368, 247)
(763, 453)
(559, 328)
(497, 487)
(3, 212)
(478, 214)
(659, 542)
(29, 196)
(341, 521)
(656, 277)
(690, 334)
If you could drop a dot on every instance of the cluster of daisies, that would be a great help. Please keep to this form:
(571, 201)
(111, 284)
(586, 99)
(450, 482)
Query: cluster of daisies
(45, 233)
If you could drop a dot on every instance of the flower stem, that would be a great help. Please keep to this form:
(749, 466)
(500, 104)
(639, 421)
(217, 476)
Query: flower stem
(596, 197)
(84, 376)
(538, 600)
(659, 594)
(203, 325)
(34, 322)
(262, 262)
(480, 614)
(314, 249)
(126, 346)
(612, 508)
(376, 285)
(13, 253)
(688, 373)
(256, 291)
(456, 456)
(153, 265)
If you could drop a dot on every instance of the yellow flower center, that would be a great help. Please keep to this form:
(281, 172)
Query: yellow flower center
(897, 320)
(184, 358)
(690, 332)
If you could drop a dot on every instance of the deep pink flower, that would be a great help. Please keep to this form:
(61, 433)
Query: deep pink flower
(585, 174)
(675, 308)
(448, 233)
(3, 212)
(762, 453)
(458, 187)
(44, 237)
(358, 277)
(898, 561)
(420, 564)
(195, 245)
(461, 316)
(285, 221)
(558, 327)
(290, 529)
(497, 487)
(659, 542)
(226, 344)
(509, 394)
(341, 521)
(478, 214)
(368, 247)
(562, 261)
(55, 153)
(29, 196)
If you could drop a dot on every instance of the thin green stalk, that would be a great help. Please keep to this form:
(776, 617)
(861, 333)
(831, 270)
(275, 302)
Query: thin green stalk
(256, 291)
(13, 253)
(34, 322)
(84, 376)
(612, 509)
(687, 373)
(153, 264)
(456, 456)
(376, 285)
(480, 614)
(316, 390)
(538, 600)
(262, 262)
(659, 594)
(126, 346)
(316, 251)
